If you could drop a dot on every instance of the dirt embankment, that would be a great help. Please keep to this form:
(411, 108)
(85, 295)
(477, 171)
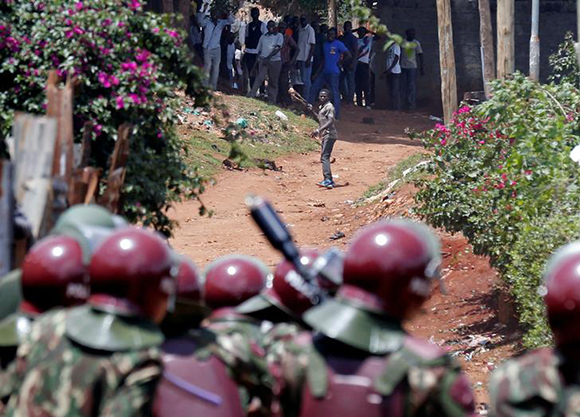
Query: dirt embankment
(464, 319)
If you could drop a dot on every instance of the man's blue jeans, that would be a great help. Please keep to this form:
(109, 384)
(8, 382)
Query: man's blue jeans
(306, 74)
(332, 81)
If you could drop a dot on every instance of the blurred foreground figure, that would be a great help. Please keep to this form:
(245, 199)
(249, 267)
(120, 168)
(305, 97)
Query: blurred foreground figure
(361, 362)
(218, 369)
(546, 382)
(101, 358)
(88, 224)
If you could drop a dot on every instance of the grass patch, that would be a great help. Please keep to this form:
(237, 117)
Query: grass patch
(269, 136)
(397, 173)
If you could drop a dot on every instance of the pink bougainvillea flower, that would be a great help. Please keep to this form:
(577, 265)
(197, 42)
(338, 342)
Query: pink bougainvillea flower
(119, 102)
(142, 55)
(134, 4)
(98, 128)
(443, 141)
(159, 134)
(134, 97)
(68, 34)
(68, 22)
(155, 30)
(78, 30)
(79, 6)
(528, 172)
(104, 79)
(504, 176)
(172, 33)
(481, 142)
(107, 22)
(464, 109)
(129, 66)
(114, 80)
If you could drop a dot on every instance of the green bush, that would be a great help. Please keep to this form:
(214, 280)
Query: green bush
(502, 170)
(128, 65)
(564, 63)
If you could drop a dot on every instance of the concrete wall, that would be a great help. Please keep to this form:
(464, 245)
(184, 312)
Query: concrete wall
(556, 18)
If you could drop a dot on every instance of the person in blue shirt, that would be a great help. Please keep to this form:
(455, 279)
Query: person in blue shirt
(328, 73)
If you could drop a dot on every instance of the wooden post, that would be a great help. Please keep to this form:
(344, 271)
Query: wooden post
(535, 42)
(486, 40)
(505, 38)
(578, 31)
(117, 169)
(332, 17)
(447, 59)
(6, 217)
(34, 145)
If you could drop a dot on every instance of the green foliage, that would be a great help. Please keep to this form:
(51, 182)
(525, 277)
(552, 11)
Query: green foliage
(564, 63)
(128, 65)
(502, 170)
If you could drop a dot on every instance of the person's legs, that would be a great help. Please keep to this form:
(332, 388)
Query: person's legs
(207, 66)
(216, 57)
(396, 91)
(333, 80)
(316, 87)
(358, 84)
(262, 72)
(306, 75)
(284, 84)
(404, 89)
(249, 61)
(412, 88)
(274, 68)
(327, 145)
(350, 86)
(372, 92)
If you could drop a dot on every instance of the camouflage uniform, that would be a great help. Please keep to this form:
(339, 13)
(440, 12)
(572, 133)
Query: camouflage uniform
(416, 378)
(238, 343)
(540, 383)
(55, 376)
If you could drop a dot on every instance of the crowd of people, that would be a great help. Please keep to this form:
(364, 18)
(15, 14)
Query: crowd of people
(105, 319)
(267, 58)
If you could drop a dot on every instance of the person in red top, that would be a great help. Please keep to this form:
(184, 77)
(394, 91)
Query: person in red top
(289, 53)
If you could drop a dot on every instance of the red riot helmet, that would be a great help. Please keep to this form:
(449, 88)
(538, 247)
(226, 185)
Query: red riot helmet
(189, 287)
(562, 294)
(231, 280)
(388, 271)
(389, 267)
(131, 274)
(281, 293)
(53, 275)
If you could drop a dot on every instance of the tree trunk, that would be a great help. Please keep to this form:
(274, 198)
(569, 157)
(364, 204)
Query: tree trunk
(447, 59)
(486, 40)
(332, 18)
(535, 42)
(505, 38)
(167, 6)
(185, 11)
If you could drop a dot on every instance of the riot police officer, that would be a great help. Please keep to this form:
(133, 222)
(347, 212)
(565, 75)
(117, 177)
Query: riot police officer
(361, 361)
(545, 382)
(102, 358)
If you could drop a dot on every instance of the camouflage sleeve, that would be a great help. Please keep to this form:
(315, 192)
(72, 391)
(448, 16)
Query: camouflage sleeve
(135, 396)
(524, 387)
(455, 396)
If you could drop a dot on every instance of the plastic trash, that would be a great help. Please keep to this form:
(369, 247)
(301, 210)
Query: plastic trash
(281, 115)
(243, 123)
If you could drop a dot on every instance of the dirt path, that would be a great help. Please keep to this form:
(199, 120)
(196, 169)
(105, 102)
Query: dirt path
(464, 320)
(364, 154)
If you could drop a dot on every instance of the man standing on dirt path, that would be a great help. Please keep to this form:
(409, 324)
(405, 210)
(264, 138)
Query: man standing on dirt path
(411, 62)
(545, 382)
(327, 134)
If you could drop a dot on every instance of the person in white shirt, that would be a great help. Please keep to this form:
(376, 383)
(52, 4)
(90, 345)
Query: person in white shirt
(362, 75)
(393, 73)
(269, 62)
(212, 29)
(307, 47)
(411, 62)
(238, 55)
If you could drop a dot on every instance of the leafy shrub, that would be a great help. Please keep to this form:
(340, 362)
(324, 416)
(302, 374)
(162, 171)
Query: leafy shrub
(500, 171)
(564, 63)
(128, 65)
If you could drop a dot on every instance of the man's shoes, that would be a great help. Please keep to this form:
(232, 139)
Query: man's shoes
(326, 184)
